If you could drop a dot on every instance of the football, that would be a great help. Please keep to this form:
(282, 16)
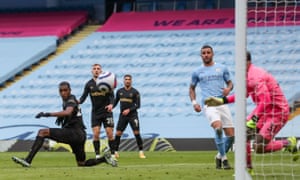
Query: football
(106, 81)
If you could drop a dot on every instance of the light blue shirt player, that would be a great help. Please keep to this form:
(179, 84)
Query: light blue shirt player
(211, 80)
(214, 80)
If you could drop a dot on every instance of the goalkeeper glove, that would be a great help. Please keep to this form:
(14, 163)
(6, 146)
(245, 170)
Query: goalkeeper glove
(42, 114)
(215, 101)
(252, 122)
(59, 121)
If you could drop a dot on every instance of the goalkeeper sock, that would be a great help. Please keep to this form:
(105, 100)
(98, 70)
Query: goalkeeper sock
(219, 141)
(229, 140)
(248, 155)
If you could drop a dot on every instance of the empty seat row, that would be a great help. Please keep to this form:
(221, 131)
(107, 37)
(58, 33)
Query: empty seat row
(161, 75)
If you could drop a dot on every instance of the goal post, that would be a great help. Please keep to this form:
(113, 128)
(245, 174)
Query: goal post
(270, 31)
(240, 90)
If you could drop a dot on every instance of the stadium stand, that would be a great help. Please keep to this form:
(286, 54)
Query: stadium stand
(58, 24)
(160, 62)
(26, 38)
(17, 54)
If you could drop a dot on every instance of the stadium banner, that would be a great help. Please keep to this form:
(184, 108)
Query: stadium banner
(194, 19)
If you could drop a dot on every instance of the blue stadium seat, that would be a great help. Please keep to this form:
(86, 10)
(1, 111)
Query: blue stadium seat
(16, 54)
(161, 63)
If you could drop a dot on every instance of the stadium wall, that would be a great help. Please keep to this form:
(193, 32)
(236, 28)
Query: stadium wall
(150, 144)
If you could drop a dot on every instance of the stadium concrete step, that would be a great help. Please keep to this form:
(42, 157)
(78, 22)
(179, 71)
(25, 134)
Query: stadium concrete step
(77, 37)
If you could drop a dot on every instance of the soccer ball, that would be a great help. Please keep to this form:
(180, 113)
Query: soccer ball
(106, 81)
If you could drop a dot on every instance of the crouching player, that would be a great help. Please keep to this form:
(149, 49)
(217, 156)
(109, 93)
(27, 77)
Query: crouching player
(72, 132)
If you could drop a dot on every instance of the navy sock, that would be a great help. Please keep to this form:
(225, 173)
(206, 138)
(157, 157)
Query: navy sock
(139, 141)
(35, 148)
(229, 140)
(96, 146)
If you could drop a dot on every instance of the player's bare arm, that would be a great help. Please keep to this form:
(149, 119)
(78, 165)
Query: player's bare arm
(192, 93)
(68, 111)
(229, 88)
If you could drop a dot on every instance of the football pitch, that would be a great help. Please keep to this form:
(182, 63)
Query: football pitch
(183, 165)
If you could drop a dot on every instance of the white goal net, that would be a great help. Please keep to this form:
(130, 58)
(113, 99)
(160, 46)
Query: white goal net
(273, 38)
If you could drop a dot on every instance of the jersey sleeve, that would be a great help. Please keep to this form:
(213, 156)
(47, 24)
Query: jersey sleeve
(111, 97)
(84, 94)
(136, 102)
(226, 75)
(71, 102)
(117, 98)
(194, 79)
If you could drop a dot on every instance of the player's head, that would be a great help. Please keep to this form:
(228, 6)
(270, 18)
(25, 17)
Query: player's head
(127, 80)
(64, 89)
(207, 54)
(96, 70)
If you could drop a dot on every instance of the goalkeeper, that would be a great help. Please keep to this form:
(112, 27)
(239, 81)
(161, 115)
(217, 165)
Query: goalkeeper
(268, 117)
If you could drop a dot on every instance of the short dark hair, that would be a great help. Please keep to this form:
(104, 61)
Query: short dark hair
(96, 65)
(248, 56)
(207, 46)
(65, 83)
(127, 75)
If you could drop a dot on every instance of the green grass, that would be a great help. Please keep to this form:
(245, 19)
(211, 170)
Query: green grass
(158, 165)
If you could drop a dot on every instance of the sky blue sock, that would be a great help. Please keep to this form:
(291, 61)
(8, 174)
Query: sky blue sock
(219, 141)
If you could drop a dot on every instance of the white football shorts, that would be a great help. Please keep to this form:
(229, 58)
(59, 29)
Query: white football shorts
(217, 113)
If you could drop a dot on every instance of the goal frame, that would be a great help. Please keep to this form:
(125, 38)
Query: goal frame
(240, 90)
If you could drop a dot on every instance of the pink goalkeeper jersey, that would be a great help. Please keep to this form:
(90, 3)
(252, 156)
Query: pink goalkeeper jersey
(271, 104)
